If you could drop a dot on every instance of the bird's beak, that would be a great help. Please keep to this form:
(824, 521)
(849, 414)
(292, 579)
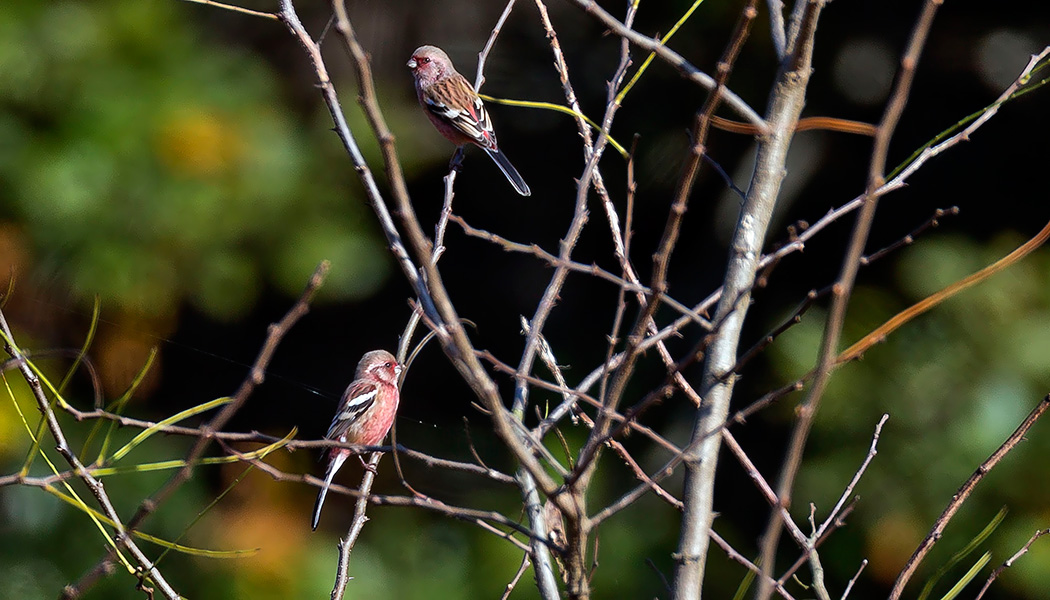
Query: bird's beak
(412, 64)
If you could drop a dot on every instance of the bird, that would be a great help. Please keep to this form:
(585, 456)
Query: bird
(365, 414)
(456, 110)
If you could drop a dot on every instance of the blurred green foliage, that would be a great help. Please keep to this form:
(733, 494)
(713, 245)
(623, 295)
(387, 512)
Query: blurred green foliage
(153, 165)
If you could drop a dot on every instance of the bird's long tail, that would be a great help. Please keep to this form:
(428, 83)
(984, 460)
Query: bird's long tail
(508, 169)
(333, 468)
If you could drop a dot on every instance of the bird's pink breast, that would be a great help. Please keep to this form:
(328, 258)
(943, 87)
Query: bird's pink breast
(371, 429)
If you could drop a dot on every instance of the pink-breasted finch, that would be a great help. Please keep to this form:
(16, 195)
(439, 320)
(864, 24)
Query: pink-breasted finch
(365, 413)
(456, 110)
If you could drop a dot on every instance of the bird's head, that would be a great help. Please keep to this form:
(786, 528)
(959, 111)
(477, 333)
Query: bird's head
(379, 364)
(430, 63)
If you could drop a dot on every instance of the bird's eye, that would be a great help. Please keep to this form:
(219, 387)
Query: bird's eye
(426, 61)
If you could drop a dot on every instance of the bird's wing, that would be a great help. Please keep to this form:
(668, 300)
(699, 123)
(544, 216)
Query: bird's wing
(454, 100)
(358, 398)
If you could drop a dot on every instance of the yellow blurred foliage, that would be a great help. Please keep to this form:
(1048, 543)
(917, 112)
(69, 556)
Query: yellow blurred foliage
(890, 543)
(14, 251)
(13, 440)
(122, 351)
(198, 143)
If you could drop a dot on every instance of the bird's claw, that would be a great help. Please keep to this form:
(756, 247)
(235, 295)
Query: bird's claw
(456, 164)
(368, 466)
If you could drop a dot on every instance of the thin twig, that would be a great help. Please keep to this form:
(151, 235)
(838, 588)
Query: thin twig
(763, 487)
(840, 521)
(479, 79)
(909, 239)
(1010, 561)
(236, 9)
(521, 570)
(961, 496)
(872, 451)
(346, 545)
(853, 580)
(397, 181)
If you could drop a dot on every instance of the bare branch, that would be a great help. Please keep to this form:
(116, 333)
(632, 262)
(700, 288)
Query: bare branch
(856, 478)
(961, 496)
(854, 579)
(346, 545)
(479, 79)
(1010, 561)
(716, 381)
(517, 576)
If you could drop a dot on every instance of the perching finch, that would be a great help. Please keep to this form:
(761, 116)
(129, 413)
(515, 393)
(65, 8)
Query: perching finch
(365, 414)
(455, 108)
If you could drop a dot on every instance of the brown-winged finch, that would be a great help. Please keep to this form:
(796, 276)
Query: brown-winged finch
(365, 413)
(455, 108)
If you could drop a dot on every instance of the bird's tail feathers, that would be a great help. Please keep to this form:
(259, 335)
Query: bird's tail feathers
(508, 169)
(333, 468)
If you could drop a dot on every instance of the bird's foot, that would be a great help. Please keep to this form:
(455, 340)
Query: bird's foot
(368, 466)
(456, 164)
